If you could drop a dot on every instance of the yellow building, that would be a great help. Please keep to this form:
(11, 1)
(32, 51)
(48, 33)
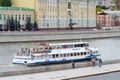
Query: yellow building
(18, 14)
(62, 14)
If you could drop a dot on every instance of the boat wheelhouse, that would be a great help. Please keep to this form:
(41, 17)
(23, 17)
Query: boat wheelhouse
(55, 53)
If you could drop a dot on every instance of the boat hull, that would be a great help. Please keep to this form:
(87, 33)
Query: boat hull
(49, 61)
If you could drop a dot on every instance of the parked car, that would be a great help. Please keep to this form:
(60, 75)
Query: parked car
(108, 28)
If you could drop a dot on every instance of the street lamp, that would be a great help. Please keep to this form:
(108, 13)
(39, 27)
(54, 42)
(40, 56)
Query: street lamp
(44, 15)
(44, 20)
(81, 18)
(88, 14)
(58, 14)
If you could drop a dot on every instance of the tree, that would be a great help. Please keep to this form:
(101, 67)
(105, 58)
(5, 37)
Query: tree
(18, 25)
(35, 26)
(5, 3)
(15, 23)
(0, 2)
(28, 24)
(98, 9)
(8, 24)
(12, 24)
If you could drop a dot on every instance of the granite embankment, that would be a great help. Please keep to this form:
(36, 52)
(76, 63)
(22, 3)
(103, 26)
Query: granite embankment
(20, 70)
(56, 35)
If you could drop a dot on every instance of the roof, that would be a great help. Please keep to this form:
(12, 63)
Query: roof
(117, 13)
(56, 44)
(16, 8)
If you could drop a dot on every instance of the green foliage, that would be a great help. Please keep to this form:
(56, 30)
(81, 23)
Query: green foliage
(28, 24)
(5, 3)
(0, 2)
(12, 24)
(8, 24)
(99, 8)
(35, 26)
(18, 25)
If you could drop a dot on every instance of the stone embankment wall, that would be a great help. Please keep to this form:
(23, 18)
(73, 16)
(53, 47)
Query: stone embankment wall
(56, 35)
(45, 68)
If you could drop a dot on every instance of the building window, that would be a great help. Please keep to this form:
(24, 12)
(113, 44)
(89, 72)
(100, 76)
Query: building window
(16, 16)
(4, 16)
(19, 17)
(30, 17)
(23, 17)
(0, 16)
(53, 56)
(12, 16)
(8, 16)
(26, 16)
(69, 5)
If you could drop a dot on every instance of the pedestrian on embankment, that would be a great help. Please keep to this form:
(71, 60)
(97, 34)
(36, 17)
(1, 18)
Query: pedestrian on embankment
(100, 62)
(93, 60)
(73, 64)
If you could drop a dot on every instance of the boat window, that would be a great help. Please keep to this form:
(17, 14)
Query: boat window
(74, 54)
(60, 55)
(37, 57)
(50, 48)
(57, 55)
(71, 54)
(67, 54)
(49, 56)
(53, 47)
(87, 45)
(83, 45)
(71, 46)
(77, 45)
(44, 56)
(78, 54)
(81, 53)
(41, 56)
(53, 56)
(88, 52)
(64, 55)
(84, 53)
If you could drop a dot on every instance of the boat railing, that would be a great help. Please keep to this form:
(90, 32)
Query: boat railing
(23, 54)
(41, 50)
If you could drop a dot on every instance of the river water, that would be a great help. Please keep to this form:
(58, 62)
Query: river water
(109, 48)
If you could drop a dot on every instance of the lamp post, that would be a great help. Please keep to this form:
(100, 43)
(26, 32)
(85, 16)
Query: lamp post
(81, 18)
(88, 14)
(43, 20)
(44, 15)
(58, 14)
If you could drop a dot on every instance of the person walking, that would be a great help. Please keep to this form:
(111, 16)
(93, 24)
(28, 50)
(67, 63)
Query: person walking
(73, 64)
(93, 60)
(100, 62)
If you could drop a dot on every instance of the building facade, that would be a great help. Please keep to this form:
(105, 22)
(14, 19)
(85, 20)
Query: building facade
(107, 3)
(18, 14)
(108, 19)
(62, 14)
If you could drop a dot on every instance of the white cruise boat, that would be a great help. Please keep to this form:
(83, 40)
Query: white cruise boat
(55, 53)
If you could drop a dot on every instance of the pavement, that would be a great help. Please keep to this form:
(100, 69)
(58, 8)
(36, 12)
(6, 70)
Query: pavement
(67, 74)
